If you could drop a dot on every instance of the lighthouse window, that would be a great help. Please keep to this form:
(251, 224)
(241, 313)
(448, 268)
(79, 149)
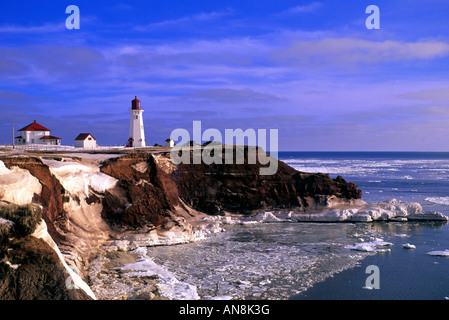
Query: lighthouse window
(137, 117)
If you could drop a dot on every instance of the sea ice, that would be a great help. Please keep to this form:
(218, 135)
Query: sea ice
(372, 246)
(444, 253)
(408, 246)
(438, 200)
(169, 285)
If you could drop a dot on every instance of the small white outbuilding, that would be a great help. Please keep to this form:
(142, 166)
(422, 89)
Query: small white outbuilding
(85, 140)
(170, 143)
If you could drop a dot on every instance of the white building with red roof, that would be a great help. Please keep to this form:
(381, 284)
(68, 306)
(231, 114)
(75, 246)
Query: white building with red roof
(85, 140)
(35, 133)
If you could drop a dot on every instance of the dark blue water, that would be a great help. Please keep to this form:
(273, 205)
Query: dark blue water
(408, 176)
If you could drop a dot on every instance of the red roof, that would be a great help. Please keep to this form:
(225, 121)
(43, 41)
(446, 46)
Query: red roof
(34, 127)
(50, 138)
(83, 136)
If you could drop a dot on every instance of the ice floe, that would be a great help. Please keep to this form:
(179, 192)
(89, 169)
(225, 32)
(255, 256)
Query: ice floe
(438, 200)
(408, 246)
(376, 245)
(443, 253)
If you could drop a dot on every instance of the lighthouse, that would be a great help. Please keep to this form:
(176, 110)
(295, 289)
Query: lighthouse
(136, 131)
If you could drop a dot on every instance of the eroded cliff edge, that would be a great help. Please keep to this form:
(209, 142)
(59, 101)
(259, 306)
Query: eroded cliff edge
(95, 204)
(155, 188)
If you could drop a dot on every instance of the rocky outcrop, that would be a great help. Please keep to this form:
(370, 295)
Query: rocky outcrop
(240, 188)
(34, 272)
(144, 195)
(150, 187)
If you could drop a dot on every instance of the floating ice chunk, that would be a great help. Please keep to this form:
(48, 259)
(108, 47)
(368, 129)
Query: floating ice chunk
(372, 246)
(408, 246)
(444, 253)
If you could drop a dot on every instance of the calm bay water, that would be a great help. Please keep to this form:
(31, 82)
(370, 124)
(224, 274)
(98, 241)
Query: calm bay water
(309, 260)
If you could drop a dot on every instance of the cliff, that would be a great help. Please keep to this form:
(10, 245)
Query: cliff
(94, 203)
(154, 187)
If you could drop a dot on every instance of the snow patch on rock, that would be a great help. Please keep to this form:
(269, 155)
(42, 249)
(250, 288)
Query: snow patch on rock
(77, 178)
(18, 185)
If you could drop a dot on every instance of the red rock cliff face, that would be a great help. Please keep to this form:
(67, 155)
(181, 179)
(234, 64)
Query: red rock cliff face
(149, 190)
(152, 192)
(240, 188)
(144, 195)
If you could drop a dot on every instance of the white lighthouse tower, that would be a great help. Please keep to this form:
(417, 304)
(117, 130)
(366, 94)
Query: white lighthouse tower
(136, 131)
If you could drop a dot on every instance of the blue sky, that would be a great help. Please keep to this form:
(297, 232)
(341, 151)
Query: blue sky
(310, 69)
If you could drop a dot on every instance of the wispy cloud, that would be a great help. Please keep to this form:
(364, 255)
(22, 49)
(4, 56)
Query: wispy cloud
(308, 8)
(186, 20)
(46, 28)
(440, 95)
(351, 52)
(233, 96)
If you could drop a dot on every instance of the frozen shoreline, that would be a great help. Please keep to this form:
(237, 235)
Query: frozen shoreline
(172, 287)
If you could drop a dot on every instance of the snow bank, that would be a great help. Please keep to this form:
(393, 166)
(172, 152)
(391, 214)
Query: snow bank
(77, 178)
(17, 185)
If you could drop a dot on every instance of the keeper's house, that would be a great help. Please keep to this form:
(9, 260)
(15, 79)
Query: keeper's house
(35, 133)
(85, 140)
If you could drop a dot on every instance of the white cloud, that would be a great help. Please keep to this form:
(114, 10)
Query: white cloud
(55, 27)
(200, 17)
(312, 7)
(352, 52)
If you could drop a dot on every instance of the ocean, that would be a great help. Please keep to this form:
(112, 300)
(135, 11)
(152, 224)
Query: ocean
(284, 261)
